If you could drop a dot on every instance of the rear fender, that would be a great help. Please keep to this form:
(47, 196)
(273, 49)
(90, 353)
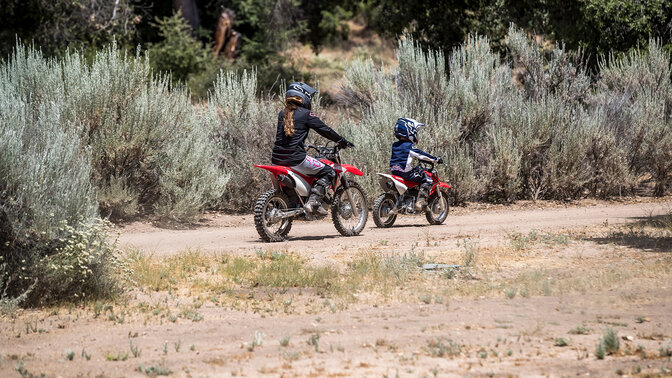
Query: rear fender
(384, 179)
(302, 185)
(274, 169)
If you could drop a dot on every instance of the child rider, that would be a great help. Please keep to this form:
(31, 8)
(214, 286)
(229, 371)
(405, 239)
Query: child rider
(403, 152)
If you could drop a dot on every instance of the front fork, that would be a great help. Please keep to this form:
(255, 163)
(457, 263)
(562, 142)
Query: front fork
(346, 185)
(437, 189)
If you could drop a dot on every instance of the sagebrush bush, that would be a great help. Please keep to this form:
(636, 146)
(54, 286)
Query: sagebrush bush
(636, 90)
(51, 244)
(244, 133)
(80, 139)
(531, 126)
(147, 142)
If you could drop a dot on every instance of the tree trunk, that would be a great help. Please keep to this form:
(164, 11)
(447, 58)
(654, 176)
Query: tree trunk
(189, 12)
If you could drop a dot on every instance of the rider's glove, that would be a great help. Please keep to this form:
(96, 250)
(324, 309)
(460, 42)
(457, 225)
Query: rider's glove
(344, 143)
(439, 161)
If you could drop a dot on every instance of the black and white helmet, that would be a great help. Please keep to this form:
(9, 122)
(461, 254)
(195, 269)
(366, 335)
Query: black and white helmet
(407, 128)
(303, 91)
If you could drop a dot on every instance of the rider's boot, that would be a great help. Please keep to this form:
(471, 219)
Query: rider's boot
(314, 204)
(423, 192)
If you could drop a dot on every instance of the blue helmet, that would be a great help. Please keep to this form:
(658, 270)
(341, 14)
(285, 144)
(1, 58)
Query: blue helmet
(303, 91)
(407, 128)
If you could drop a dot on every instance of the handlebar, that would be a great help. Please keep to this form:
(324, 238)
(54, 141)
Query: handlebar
(429, 164)
(327, 149)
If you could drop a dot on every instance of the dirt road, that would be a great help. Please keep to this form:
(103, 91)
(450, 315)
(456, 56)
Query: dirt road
(236, 234)
(538, 309)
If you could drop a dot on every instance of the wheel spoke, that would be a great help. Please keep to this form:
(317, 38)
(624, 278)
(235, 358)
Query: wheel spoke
(273, 206)
(351, 211)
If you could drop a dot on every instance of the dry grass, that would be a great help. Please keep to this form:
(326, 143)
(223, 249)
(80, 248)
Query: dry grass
(547, 265)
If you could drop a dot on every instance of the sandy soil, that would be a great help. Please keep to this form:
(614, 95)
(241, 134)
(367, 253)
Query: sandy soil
(495, 335)
(236, 234)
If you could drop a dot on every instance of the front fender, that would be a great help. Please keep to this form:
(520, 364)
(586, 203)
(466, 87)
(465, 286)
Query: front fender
(352, 169)
(442, 186)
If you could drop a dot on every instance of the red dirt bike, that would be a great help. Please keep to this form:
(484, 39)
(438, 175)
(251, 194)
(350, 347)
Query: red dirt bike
(275, 209)
(401, 195)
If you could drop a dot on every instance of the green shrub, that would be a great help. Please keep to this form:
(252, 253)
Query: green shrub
(178, 52)
(608, 344)
(84, 265)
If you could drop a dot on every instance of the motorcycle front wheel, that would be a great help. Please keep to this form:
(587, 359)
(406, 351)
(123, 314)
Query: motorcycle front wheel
(382, 210)
(270, 226)
(437, 209)
(350, 218)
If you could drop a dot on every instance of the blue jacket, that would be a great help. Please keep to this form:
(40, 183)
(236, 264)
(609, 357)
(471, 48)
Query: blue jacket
(403, 153)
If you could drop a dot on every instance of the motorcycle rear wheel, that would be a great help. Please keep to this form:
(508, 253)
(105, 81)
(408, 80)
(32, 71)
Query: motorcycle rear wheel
(437, 209)
(342, 214)
(382, 210)
(267, 204)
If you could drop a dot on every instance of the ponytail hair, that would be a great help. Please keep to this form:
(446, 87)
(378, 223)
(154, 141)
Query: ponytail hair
(291, 103)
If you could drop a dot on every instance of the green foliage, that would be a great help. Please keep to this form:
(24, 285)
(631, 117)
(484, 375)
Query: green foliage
(325, 23)
(617, 25)
(596, 26)
(55, 25)
(178, 52)
(608, 344)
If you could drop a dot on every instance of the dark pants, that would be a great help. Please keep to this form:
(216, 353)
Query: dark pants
(417, 174)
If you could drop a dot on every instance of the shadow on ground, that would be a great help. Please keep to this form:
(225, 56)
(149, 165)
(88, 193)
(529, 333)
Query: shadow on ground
(651, 234)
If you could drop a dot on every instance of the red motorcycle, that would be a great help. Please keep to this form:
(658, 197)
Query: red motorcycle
(400, 197)
(275, 209)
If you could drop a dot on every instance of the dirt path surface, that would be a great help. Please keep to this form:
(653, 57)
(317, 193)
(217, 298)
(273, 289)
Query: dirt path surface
(540, 287)
(236, 234)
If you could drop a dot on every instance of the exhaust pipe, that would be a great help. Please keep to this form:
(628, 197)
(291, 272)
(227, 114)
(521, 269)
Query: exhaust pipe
(287, 181)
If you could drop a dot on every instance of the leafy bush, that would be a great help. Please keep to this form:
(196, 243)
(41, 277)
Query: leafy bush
(179, 52)
(82, 265)
(608, 344)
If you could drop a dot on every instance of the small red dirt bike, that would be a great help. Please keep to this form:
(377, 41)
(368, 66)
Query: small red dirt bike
(275, 209)
(401, 195)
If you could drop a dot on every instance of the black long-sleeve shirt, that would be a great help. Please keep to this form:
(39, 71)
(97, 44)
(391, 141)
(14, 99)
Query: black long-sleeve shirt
(290, 150)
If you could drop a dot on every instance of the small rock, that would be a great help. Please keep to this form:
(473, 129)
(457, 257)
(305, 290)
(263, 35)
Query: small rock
(627, 337)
